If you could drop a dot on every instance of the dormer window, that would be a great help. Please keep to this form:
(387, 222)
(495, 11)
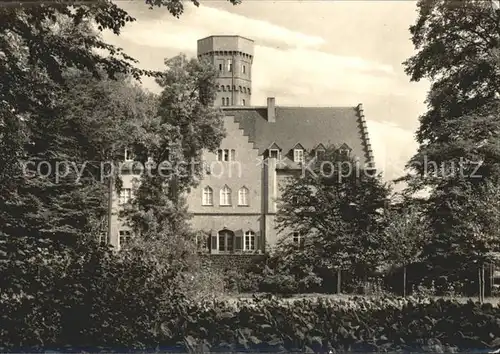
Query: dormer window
(320, 154)
(344, 150)
(274, 153)
(298, 155)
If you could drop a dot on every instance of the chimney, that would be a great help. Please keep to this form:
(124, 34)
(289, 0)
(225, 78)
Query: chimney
(271, 110)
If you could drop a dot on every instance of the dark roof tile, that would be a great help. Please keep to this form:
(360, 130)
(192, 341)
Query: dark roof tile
(308, 126)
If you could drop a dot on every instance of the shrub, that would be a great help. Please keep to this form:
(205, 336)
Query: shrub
(242, 281)
(84, 297)
(332, 326)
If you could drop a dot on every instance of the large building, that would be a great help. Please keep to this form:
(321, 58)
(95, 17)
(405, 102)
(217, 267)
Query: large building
(236, 202)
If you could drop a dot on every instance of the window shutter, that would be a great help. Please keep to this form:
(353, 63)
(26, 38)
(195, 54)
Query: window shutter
(258, 241)
(238, 243)
(213, 237)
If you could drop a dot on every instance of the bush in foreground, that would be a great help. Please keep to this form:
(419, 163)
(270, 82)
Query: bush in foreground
(90, 299)
(357, 325)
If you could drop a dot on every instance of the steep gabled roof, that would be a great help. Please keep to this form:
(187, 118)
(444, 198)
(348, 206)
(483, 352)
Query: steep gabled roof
(320, 147)
(298, 146)
(309, 126)
(273, 146)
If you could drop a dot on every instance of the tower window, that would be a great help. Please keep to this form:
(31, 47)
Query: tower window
(230, 65)
(228, 88)
(223, 101)
(241, 89)
(243, 101)
(220, 67)
(298, 239)
(243, 69)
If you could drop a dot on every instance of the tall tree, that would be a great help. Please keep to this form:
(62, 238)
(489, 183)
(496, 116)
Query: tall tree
(336, 206)
(457, 50)
(185, 124)
(37, 44)
(407, 234)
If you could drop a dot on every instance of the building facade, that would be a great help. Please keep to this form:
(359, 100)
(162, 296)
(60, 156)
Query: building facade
(236, 202)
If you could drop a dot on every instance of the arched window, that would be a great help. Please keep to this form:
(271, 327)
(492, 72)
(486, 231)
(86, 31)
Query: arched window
(249, 244)
(241, 89)
(244, 89)
(228, 88)
(225, 196)
(223, 101)
(243, 196)
(226, 240)
(208, 196)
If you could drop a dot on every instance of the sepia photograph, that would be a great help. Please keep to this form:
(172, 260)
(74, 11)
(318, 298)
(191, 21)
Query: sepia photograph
(249, 176)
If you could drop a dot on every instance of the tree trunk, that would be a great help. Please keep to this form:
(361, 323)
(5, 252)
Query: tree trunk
(404, 281)
(339, 273)
(492, 278)
(482, 283)
(111, 183)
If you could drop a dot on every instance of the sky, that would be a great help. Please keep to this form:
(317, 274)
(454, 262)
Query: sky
(307, 53)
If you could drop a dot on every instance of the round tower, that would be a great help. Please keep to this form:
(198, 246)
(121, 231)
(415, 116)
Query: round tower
(232, 56)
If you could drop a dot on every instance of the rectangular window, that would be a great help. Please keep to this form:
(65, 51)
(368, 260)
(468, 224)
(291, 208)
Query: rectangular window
(243, 102)
(243, 69)
(129, 156)
(223, 101)
(249, 241)
(298, 239)
(298, 155)
(220, 67)
(320, 154)
(229, 65)
(125, 195)
(226, 155)
(125, 237)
